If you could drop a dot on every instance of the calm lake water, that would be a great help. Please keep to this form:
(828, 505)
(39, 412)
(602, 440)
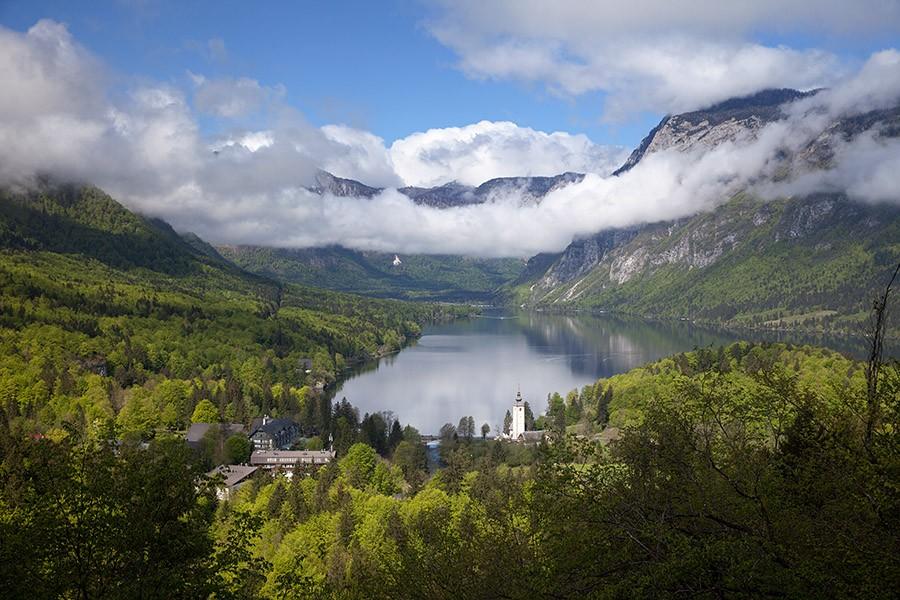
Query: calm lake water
(474, 366)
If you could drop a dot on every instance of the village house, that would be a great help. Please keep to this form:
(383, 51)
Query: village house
(286, 460)
(233, 477)
(273, 434)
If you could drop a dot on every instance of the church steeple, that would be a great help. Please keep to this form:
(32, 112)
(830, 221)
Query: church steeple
(518, 416)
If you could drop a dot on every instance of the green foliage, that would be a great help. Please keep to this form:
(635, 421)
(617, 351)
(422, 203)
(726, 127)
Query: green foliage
(107, 317)
(237, 449)
(419, 277)
(205, 412)
(358, 466)
(86, 519)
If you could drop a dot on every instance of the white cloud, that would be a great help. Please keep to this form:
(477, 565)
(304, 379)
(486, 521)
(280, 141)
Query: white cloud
(481, 151)
(231, 98)
(654, 54)
(358, 152)
(147, 150)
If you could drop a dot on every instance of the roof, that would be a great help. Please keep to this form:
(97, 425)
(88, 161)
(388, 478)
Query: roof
(273, 426)
(282, 457)
(197, 430)
(234, 474)
(532, 436)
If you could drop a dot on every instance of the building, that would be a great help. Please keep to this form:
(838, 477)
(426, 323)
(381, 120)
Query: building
(273, 434)
(233, 477)
(198, 431)
(518, 431)
(518, 417)
(287, 459)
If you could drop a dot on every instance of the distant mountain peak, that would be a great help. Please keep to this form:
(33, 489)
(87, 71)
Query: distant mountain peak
(717, 123)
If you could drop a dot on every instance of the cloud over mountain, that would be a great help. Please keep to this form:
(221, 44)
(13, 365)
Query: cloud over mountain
(481, 151)
(59, 114)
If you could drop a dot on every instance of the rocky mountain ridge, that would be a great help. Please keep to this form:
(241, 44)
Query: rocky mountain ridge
(828, 252)
(526, 189)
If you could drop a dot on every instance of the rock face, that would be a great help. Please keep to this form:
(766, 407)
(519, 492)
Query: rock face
(326, 183)
(750, 261)
(719, 123)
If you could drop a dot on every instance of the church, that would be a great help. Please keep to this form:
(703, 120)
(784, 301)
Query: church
(518, 431)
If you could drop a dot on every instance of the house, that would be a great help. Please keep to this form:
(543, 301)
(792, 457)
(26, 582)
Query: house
(197, 431)
(273, 434)
(287, 459)
(233, 477)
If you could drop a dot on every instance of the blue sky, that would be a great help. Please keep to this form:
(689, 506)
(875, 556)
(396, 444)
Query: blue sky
(371, 65)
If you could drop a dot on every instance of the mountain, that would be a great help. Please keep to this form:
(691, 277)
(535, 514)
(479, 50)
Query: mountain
(714, 125)
(448, 195)
(326, 183)
(89, 288)
(527, 189)
(807, 261)
(415, 276)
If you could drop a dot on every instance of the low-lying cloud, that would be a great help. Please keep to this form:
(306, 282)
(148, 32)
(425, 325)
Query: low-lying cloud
(59, 116)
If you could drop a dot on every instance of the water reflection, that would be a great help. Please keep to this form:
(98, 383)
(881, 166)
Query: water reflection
(473, 367)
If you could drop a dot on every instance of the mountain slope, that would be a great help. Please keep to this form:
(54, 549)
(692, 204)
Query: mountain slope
(814, 261)
(420, 277)
(109, 318)
(818, 261)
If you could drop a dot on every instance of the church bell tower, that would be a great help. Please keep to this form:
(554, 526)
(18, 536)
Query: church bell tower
(518, 417)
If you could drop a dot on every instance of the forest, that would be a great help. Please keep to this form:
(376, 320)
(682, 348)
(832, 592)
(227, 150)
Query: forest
(746, 471)
(742, 474)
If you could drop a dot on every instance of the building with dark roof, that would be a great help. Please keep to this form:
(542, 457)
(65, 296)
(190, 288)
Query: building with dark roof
(274, 434)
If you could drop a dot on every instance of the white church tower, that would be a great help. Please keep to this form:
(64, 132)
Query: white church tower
(518, 417)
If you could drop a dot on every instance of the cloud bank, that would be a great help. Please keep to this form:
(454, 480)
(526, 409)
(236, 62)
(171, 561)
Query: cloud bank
(654, 55)
(59, 115)
(481, 151)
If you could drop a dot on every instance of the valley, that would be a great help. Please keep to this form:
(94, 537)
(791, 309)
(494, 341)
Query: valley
(449, 300)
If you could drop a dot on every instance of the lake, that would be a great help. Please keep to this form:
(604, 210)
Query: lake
(475, 366)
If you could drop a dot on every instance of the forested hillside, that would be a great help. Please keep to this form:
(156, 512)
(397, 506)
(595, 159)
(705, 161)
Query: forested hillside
(811, 262)
(744, 472)
(750, 471)
(415, 277)
(110, 319)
